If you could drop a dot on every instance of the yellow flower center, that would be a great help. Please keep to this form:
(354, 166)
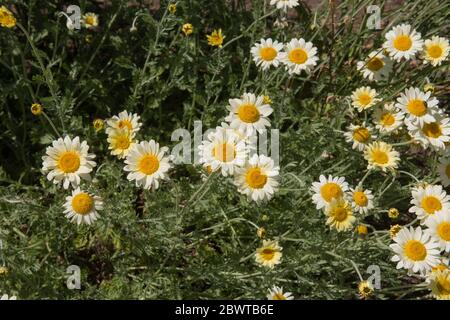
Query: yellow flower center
(403, 43)
(148, 164)
(431, 204)
(360, 198)
(278, 296)
(387, 119)
(380, 157)
(417, 107)
(255, 179)
(82, 203)
(415, 250)
(69, 162)
(268, 53)
(248, 113)
(90, 20)
(224, 152)
(123, 142)
(443, 230)
(361, 134)
(330, 191)
(435, 51)
(267, 254)
(432, 130)
(375, 64)
(340, 213)
(125, 124)
(364, 99)
(298, 56)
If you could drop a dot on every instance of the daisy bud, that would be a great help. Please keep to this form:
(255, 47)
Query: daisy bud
(36, 109)
(393, 213)
(261, 232)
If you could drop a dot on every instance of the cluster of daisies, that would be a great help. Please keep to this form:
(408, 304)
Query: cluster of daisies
(339, 201)
(296, 55)
(424, 249)
(67, 162)
(231, 148)
(403, 43)
(427, 125)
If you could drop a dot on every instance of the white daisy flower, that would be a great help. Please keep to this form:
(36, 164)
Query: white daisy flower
(362, 199)
(359, 136)
(418, 106)
(376, 67)
(328, 189)
(363, 98)
(388, 118)
(284, 4)
(403, 42)
(415, 250)
(382, 156)
(299, 55)
(90, 20)
(82, 207)
(124, 120)
(276, 293)
(7, 297)
(258, 178)
(340, 215)
(120, 142)
(439, 227)
(223, 150)
(269, 254)
(147, 164)
(435, 50)
(428, 201)
(249, 113)
(267, 53)
(435, 133)
(68, 161)
(444, 171)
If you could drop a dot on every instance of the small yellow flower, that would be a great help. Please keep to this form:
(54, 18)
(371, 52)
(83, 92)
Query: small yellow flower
(362, 230)
(36, 109)
(3, 271)
(429, 87)
(269, 254)
(7, 19)
(267, 100)
(365, 289)
(265, 217)
(215, 39)
(393, 213)
(261, 232)
(394, 230)
(172, 8)
(98, 124)
(187, 29)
